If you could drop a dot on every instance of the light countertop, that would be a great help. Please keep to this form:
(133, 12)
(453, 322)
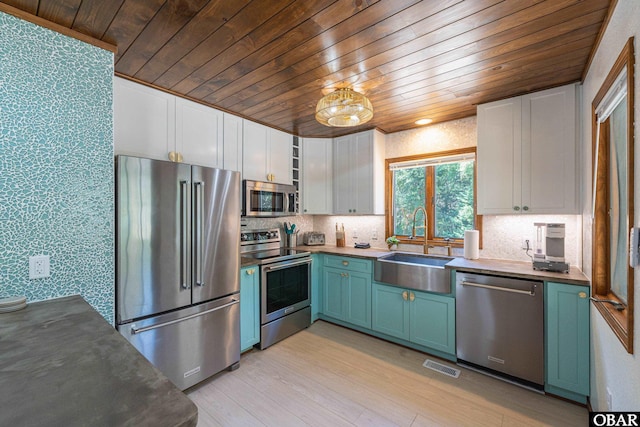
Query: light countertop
(62, 364)
(517, 269)
(508, 268)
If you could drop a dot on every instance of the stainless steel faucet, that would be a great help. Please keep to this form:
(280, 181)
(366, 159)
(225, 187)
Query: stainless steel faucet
(425, 248)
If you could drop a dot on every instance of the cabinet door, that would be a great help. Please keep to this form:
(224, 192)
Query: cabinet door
(342, 175)
(317, 176)
(144, 120)
(255, 151)
(249, 307)
(199, 134)
(432, 321)
(358, 171)
(362, 171)
(499, 157)
(358, 297)
(549, 151)
(567, 338)
(280, 156)
(332, 293)
(232, 137)
(390, 311)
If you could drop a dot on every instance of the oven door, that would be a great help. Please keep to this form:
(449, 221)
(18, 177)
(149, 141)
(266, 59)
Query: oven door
(285, 288)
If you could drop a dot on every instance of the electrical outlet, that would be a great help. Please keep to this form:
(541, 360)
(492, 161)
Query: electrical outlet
(374, 235)
(609, 400)
(526, 243)
(355, 234)
(39, 267)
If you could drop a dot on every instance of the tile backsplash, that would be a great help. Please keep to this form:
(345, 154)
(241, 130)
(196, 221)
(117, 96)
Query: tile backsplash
(502, 234)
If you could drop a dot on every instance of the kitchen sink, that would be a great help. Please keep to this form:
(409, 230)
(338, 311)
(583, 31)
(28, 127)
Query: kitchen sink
(414, 271)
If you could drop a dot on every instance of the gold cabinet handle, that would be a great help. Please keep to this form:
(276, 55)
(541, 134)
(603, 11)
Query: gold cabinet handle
(405, 295)
(174, 156)
(251, 271)
(345, 262)
(412, 296)
(582, 294)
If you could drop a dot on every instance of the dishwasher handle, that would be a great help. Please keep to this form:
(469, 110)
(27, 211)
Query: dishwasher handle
(531, 292)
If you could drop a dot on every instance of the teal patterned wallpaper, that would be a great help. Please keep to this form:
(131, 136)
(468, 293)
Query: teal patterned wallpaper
(56, 165)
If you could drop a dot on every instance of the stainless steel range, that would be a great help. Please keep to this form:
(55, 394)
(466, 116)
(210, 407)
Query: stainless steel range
(285, 284)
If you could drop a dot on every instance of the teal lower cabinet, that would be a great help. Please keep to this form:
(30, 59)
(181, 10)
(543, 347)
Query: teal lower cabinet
(346, 291)
(433, 321)
(422, 318)
(249, 307)
(316, 280)
(567, 340)
(390, 311)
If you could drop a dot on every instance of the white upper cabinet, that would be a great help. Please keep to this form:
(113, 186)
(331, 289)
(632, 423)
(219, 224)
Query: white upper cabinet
(151, 123)
(317, 176)
(358, 174)
(527, 153)
(199, 134)
(143, 119)
(281, 162)
(232, 142)
(267, 154)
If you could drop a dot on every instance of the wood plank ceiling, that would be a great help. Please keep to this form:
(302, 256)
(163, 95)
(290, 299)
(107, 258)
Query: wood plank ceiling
(272, 60)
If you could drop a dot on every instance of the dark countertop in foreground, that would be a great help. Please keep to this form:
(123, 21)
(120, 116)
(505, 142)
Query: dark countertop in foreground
(62, 364)
(518, 269)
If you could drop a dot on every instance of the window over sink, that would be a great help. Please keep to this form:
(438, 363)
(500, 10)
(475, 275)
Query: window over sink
(440, 185)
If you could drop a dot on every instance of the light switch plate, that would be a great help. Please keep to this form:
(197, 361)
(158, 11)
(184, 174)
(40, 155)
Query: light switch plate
(39, 267)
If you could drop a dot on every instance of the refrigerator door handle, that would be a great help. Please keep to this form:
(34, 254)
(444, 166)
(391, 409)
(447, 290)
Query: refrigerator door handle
(135, 330)
(184, 238)
(198, 209)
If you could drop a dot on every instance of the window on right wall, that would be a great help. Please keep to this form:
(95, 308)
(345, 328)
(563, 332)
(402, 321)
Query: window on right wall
(613, 192)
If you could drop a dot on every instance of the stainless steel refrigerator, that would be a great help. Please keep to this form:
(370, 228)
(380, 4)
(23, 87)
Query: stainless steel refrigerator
(177, 266)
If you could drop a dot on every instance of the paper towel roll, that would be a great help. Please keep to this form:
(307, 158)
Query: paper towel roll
(472, 244)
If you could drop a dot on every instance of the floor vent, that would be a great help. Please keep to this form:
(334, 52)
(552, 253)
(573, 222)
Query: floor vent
(443, 369)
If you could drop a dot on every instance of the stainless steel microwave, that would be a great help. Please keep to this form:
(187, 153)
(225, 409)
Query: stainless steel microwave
(267, 199)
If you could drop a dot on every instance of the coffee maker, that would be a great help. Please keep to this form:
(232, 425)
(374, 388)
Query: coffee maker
(549, 248)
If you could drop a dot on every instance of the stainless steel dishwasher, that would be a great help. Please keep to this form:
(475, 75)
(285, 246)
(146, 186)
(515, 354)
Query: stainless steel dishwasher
(500, 326)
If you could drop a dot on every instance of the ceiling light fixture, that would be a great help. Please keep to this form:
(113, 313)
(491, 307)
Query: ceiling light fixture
(344, 108)
(423, 121)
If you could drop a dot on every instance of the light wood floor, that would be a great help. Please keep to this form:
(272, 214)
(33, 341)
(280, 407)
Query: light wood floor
(331, 376)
